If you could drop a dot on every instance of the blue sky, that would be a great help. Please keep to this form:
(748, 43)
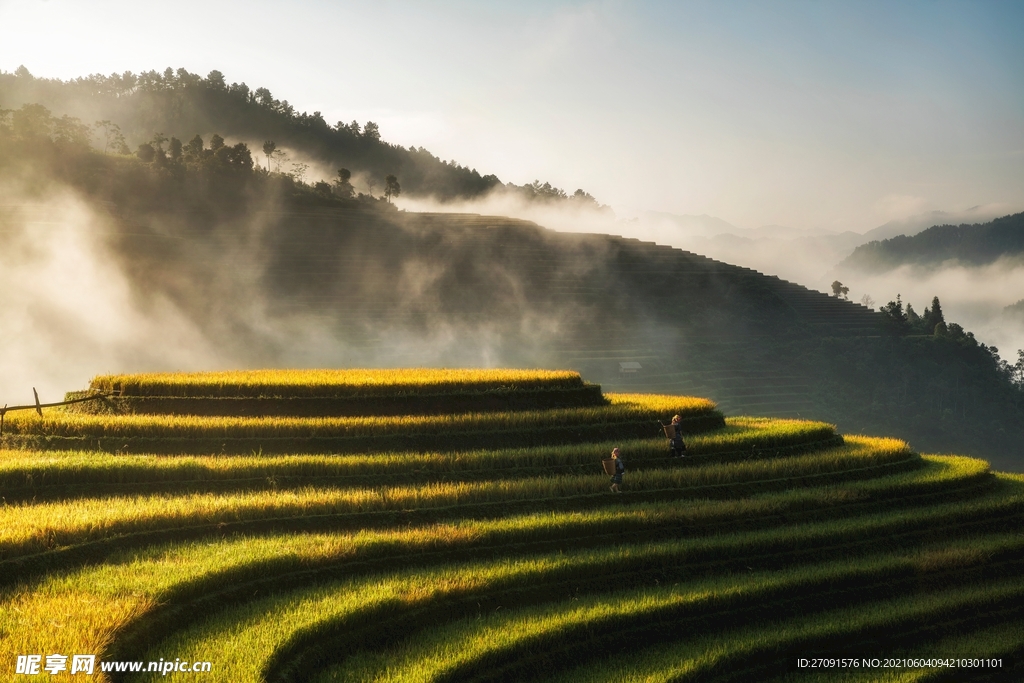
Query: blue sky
(808, 114)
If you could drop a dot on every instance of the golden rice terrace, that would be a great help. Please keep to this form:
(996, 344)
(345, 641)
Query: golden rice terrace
(457, 525)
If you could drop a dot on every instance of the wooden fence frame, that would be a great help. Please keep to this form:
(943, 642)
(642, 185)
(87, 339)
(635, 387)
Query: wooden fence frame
(38, 407)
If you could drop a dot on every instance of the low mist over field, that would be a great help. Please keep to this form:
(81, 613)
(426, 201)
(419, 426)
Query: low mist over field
(96, 287)
(70, 307)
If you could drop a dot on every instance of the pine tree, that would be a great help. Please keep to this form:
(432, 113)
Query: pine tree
(933, 316)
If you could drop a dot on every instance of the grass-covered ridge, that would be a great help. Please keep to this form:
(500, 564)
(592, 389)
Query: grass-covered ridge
(626, 416)
(485, 545)
(623, 408)
(323, 393)
(57, 524)
(321, 383)
(35, 474)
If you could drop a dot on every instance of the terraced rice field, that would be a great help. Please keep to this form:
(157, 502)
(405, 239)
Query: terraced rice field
(311, 393)
(486, 546)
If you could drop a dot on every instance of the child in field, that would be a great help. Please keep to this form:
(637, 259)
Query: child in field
(620, 467)
(676, 446)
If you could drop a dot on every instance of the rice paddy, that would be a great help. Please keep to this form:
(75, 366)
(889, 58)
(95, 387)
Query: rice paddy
(320, 383)
(626, 416)
(484, 545)
(313, 393)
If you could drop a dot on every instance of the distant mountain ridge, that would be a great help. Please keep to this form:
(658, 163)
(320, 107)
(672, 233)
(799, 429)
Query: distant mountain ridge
(806, 255)
(912, 225)
(968, 245)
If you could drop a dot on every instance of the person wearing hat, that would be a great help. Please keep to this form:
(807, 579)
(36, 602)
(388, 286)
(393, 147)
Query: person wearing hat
(620, 467)
(676, 446)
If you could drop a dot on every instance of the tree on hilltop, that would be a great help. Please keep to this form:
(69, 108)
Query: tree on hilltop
(342, 187)
(913, 319)
(544, 192)
(839, 290)
(174, 148)
(193, 150)
(215, 80)
(146, 153)
(263, 97)
(269, 147)
(391, 187)
(157, 143)
(298, 171)
(896, 317)
(32, 121)
(584, 199)
(933, 316)
(112, 137)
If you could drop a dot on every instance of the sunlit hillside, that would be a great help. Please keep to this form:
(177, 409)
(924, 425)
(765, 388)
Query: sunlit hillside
(486, 545)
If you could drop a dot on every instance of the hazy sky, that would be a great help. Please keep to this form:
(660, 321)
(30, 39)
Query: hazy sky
(807, 114)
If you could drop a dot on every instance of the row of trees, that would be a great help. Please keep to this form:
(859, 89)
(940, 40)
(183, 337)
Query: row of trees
(547, 193)
(180, 102)
(906, 321)
(35, 123)
(35, 143)
(218, 156)
(221, 157)
(342, 187)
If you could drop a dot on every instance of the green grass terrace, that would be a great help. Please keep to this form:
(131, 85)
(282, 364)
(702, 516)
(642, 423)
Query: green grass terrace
(477, 540)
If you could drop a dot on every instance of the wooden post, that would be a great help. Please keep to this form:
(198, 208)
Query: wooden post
(38, 407)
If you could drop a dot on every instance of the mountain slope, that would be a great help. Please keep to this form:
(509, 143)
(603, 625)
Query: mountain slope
(408, 289)
(969, 245)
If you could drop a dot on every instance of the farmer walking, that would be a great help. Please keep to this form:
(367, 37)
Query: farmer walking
(674, 433)
(617, 467)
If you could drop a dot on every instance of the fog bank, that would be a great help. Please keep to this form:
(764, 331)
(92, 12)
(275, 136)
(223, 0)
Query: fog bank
(69, 311)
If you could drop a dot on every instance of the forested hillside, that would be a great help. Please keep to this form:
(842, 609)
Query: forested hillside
(272, 271)
(132, 110)
(967, 245)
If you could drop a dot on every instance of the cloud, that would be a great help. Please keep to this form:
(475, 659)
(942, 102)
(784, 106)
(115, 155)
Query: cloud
(899, 206)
